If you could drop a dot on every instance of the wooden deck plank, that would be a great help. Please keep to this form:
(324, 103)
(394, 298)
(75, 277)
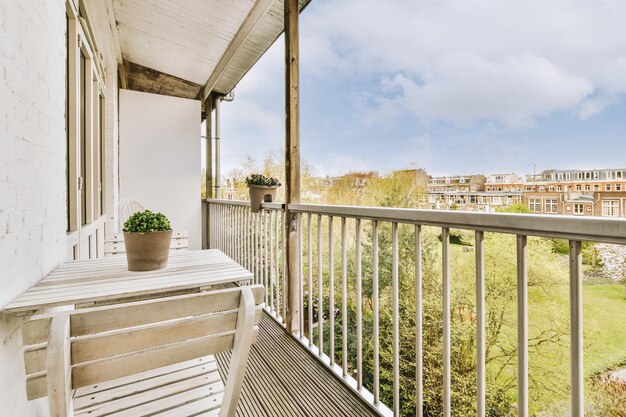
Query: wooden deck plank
(283, 379)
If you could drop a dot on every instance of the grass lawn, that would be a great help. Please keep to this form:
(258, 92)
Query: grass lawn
(604, 313)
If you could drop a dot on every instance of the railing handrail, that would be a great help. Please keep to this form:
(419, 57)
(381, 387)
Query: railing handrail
(594, 229)
(244, 203)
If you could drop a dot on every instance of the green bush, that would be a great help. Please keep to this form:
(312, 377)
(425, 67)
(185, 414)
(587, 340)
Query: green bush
(147, 221)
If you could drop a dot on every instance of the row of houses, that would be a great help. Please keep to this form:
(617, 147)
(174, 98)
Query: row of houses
(600, 192)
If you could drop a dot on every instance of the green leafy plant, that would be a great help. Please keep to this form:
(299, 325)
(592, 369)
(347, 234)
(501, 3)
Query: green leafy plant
(146, 222)
(262, 180)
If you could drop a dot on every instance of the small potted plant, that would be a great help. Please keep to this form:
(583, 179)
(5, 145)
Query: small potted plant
(262, 190)
(147, 238)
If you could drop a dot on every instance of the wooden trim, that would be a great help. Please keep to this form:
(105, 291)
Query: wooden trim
(73, 123)
(259, 10)
(292, 160)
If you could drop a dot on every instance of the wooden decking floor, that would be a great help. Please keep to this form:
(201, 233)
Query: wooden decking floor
(283, 379)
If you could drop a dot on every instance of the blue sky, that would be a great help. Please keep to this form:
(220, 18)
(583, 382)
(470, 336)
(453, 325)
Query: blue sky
(447, 85)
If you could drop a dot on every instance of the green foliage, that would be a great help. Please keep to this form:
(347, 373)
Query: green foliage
(519, 208)
(147, 221)
(561, 246)
(262, 180)
(607, 397)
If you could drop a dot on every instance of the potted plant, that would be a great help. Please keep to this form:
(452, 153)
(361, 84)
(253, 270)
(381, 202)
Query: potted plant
(147, 238)
(262, 190)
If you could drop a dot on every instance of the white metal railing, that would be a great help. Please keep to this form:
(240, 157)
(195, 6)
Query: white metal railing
(257, 242)
(248, 238)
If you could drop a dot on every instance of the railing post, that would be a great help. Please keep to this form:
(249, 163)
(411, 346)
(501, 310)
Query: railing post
(292, 158)
(208, 186)
(576, 328)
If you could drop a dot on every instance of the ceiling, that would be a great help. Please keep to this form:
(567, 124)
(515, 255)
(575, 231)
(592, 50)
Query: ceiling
(187, 39)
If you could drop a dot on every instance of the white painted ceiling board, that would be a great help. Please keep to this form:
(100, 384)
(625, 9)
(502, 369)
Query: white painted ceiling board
(187, 38)
(177, 37)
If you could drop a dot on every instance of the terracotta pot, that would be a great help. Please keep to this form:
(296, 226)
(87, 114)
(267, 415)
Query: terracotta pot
(147, 251)
(261, 194)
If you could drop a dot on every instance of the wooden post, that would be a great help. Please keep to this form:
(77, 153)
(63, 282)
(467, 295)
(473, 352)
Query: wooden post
(292, 161)
(208, 186)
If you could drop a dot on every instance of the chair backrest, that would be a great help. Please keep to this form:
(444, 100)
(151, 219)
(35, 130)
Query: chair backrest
(129, 209)
(114, 242)
(73, 349)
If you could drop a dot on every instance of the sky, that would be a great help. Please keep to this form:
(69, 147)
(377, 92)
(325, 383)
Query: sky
(451, 86)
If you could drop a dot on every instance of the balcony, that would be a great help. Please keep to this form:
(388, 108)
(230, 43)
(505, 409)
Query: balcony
(354, 316)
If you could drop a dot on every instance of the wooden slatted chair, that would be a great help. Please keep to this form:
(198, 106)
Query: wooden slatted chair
(114, 243)
(146, 358)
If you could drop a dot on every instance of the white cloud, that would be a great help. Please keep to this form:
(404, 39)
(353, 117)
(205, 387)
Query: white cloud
(463, 87)
(510, 61)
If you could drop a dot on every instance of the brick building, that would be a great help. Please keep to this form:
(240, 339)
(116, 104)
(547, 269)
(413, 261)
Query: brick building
(600, 192)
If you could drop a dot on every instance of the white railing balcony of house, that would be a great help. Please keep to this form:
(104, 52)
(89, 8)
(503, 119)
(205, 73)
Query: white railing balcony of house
(334, 278)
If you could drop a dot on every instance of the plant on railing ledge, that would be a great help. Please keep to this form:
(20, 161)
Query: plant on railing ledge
(262, 181)
(262, 190)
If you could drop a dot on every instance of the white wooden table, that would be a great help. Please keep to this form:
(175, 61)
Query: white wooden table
(108, 280)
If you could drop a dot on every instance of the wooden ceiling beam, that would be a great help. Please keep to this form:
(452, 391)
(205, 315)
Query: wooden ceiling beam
(148, 80)
(258, 11)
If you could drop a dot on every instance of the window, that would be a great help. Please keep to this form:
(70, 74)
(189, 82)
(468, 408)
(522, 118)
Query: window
(567, 176)
(579, 187)
(578, 208)
(560, 176)
(596, 187)
(596, 175)
(610, 208)
(619, 174)
(579, 175)
(552, 205)
(559, 188)
(551, 188)
(618, 187)
(462, 180)
(587, 187)
(534, 205)
(85, 104)
(587, 175)
(608, 187)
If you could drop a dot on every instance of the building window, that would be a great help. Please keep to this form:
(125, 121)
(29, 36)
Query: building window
(579, 187)
(559, 188)
(551, 188)
(578, 208)
(579, 175)
(596, 187)
(608, 187)
(552, 205)
(596, 175)
(534, 204)
(567, 176)
(610, 208)
(560, 176)
(618, 187)
(619, 174)
(587, 187)
(542, 188)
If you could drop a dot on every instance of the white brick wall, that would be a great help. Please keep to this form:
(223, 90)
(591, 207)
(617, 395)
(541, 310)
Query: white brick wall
(32, 170)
